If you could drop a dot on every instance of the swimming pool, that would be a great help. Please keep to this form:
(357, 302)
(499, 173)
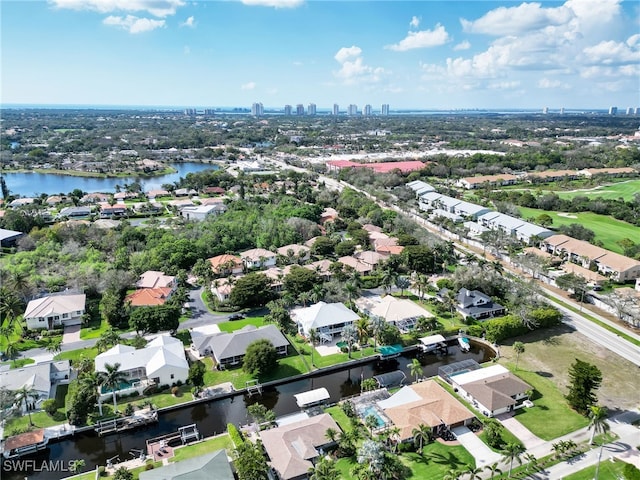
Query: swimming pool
(373, 411)
(123, 386)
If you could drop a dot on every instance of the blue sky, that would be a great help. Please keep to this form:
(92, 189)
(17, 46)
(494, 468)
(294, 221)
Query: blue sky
(419, 54)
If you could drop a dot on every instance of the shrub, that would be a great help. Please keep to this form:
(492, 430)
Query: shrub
(499, 329)
(149, 466)
(235, 435)
(102, 471)
(179, 383)
(175, 391)
(128, 410)
(50, 407)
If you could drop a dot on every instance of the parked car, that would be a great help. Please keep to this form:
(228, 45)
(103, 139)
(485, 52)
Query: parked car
(236, 316)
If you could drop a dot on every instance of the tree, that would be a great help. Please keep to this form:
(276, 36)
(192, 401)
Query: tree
(279, 315)
(493, 430)
(252, 290)
(23, 395)
(112, 378)
(518, 347)
(371, 422)
(123, 474)
(474, 473)
(260, 413)
(402, 283)
(493, 469)
(76, 465)
(598, 424)
(371, 456)
(196, 373)
(331, 434)
(156, 318)
(362, 328)
(349, 336)
(54, 345)
(584, 379)
(299, 280)
(378, 325)
(260, 357)
(544, 220)
(415, 367)
(108, 339)
(323, 246)
(50, 406)
(314, 336)
(250, 463)
(421, 436)
(512, 452)
(324, 469)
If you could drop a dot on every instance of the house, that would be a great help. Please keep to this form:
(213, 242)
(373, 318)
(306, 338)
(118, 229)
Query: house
(356, 264)
(420, 187)
(293, 448)
(372, 259)
(424, 403)
(328, 319)
(226, 264)
(75, 212)
(222, 289)
(117, 209)
(53, 200)
(529, 232)
(152, 194)
(258, 258)
(161, 362)
(428, 200)
(469, 210)
(149, 297)
(201, 212)
(95, 198)
(203, 467)
(55, 311)
(228, 349)
(492, 390)
(476, 182)
(21, 202)
(183, 192)
(388, 250)
(42, 378)
(295, 252)
(321, 267)
(401, 312)
(475, 304)
(155, 279)
(500, 221)
(9, 238)
(214, 190)
(276, 275)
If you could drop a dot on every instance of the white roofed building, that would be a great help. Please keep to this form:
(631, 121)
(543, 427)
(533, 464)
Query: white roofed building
(55, 311)
(328, 319)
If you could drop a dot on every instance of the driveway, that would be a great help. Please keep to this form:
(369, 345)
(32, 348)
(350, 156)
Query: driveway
(476, 447)
(71, 334)
(528, 439)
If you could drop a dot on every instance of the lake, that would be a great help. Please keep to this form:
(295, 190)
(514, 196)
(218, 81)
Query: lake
(28, 184)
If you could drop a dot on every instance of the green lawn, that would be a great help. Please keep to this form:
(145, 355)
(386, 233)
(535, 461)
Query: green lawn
(39, 419)
(340, 417)
(608, 471)
(551, 416)
(76, 355)
(94, 329)
(18, 362)
(233, 325)
(607, 229)
(217, 443)
(625, 189)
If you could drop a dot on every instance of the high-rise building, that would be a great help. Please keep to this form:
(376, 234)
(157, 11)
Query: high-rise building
(287, 110)
(336, 109)
(209, 111)
(299, 109)
(613, 110)
(636, 111)
(629, 110)
(353, 110)
(562, 111)
(545, 110)
(257, 109)
(189, 111)
(385, 109)
(366, 111)
(311, 109)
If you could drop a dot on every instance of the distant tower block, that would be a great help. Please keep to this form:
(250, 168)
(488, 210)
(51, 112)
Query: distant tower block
(336, 109)
(287, 110)
(636, 111)
(311, 109)
(629, 111)
(367, 110)
(545, 110)
(385, 109)
(562, 111)
(613, 110)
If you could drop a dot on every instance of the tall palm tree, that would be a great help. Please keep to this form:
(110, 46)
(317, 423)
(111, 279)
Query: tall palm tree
(421, 436)
(317, 293)
(402, 283)
(90, 380)
(377, 326)
(474, 473)
(314, 336)
(108, 339)
(388, 279)
(598, 422)
(421, 283)
(518, 347)
(112, 378)
(54, 346)
(349, 335)
(331, 434)
(512, 452)
(493, 469)
(362, 327)
(23, 395)
(352, 292)
(324, 469)
(415, 368)
(304, 298)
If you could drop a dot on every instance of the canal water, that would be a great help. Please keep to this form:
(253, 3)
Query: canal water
(212, 417)
(29, 184)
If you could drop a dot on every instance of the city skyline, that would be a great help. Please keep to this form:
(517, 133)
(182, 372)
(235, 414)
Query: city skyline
(422, 55)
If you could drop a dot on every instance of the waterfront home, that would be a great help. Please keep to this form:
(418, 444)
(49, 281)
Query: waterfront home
(214, 465)
(258, 258)
(401, 312)
(475, 304)
(95, 198)
(293, 448)
(41, 378)
(21, 202)
(328, 319)
(184, 192)
(57, 310)
(161, 362)
(424, 403)
(228, 349)
(492, 390)
(153, 194)
(115, 210)
(226, 264)
(155, 279)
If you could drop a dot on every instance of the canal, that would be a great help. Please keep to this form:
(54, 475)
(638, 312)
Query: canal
(212, 417)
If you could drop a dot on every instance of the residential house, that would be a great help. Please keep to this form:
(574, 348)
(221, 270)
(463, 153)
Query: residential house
(357, 265)
(226, 264)
(228, 349)
(53, 200)
(614, 172)
(530, 233)
(153, 194)
(42, 378)
(420, 187)
(214, 191)
(9, 238)
(222, 288)
(372, 259)
(115, 210)
(469, 210)
(22, 202)
(161, 362)
(75, 212)
(184, 192)
(201, 212)
(328, 319)
(401, 312)
(276, 275)
(95, 198)
(258, 258)
(369, 227)
(293, 448)
(56, 310)
(388, 250)
(155, 279)
(202, 467)
(295, 253)
(475, 304)
(428, 201)
(321, 267)
(492, 180)
(492, 390)
(475, 228)
(149, 297)
(500, 221)
(424, 403)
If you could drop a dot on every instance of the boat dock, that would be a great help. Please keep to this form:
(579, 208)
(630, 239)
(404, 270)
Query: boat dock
(120, 424)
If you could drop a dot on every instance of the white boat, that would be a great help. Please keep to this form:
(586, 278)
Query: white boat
(432, 343)
(465, 346)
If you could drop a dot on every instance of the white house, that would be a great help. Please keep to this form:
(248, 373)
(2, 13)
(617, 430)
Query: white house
(39, 377)
(161, 362)
(258, 258)
(199, 213)
(420, 187)
(403, 313)
(328, 319)
(55, 311)
(155, 279)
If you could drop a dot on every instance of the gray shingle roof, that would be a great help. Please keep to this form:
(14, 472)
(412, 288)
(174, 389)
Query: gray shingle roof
(234, 344)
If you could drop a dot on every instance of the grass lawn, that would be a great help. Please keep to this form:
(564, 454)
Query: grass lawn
(608, 471)
(233, 325)
(607, 229)
(94, 329)
(76, 355)
(340, 417)
(18, 362)
(217, 443)
(39, 419)
(625, 189)
(551, 416)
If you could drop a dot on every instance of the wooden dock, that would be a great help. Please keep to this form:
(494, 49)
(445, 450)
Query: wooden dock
(121, 424)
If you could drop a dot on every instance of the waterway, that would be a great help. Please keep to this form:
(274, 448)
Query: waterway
(212, 417)
(29, 184)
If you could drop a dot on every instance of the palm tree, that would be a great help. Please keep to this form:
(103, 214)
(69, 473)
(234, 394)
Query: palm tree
(11, 351)
(415, 368)
(331, 434)
(325, 469)
(317, 293)
(532, 462)
(24, 394)
(90, 380)
(421, 284)
(362, 327)
(112, 378)
(388, 279)
(598, 422)
(371, 422)
(452, 474)
(352, 291)
(518, 347)
(511, 452)
(474, 473)
(377, 326)
(349, 335)
(493, 469)
(402, 283)
(108, 339)
(314, 336)
(54, 346)
(421, 435)
(394, 437)
(76, 465)
(304, 298)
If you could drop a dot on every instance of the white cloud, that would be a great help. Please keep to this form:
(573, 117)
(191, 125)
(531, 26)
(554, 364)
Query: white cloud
(503, 85)
(464, 45)
(612, 53)
(517, 20)
(274, 3)
(415, 22)
(189, 22)
(248, 86)
(158, 8)
(353, 70)
(133, 24)
(552, 84)
(422, 39)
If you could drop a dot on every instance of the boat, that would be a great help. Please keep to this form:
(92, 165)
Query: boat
(465, 346)
(25, 444)
(432, 343)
